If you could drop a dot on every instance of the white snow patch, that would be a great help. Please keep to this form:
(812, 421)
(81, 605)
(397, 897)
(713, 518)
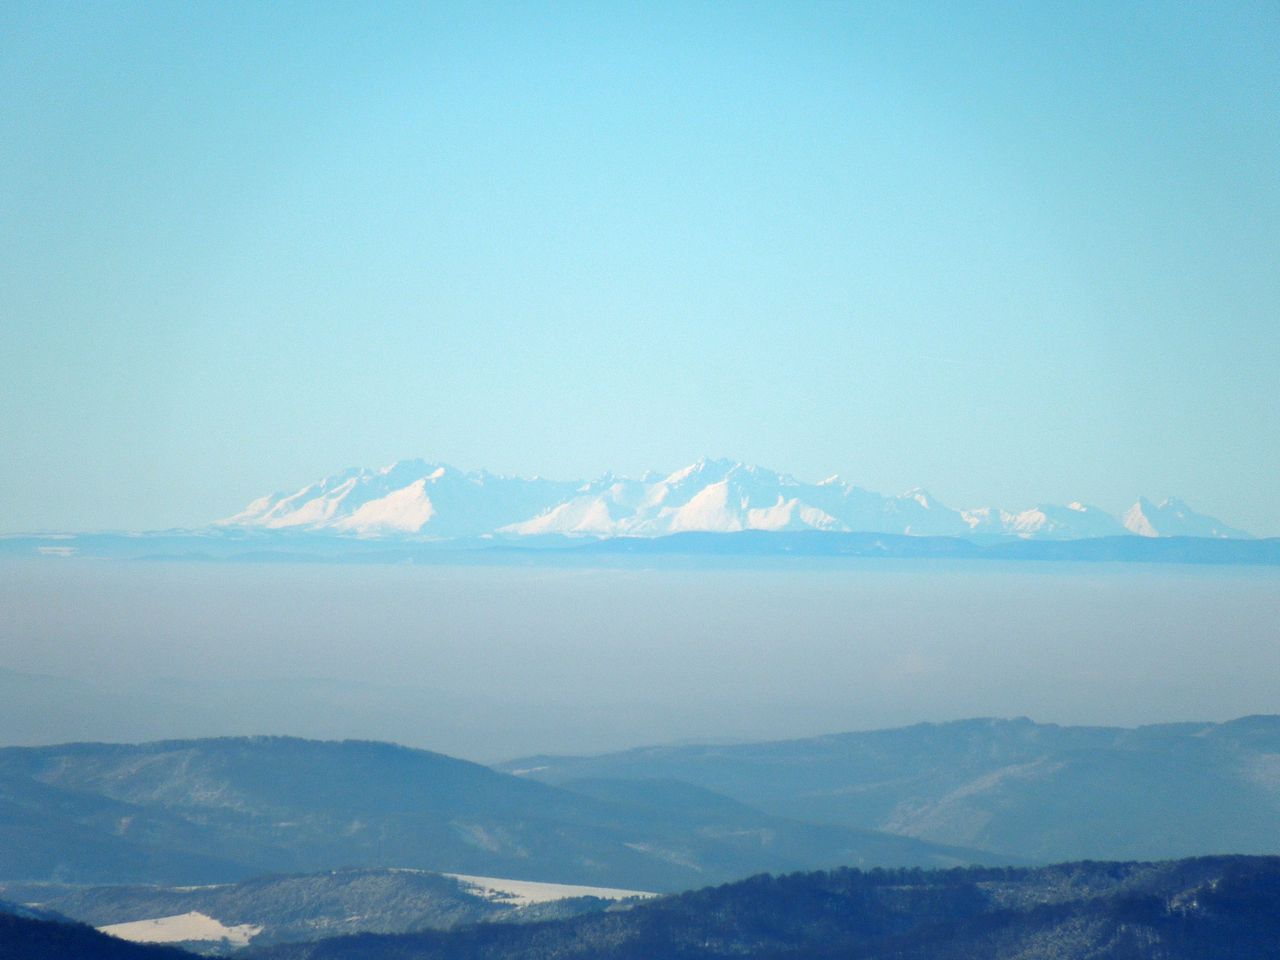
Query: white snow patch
(182, 927)
(57, 551)
(1136, 521)
(524, 892)
(406, 510)
(580, 515)
(708, 509)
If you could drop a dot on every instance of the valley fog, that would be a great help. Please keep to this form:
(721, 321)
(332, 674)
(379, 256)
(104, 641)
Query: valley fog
(493, 662)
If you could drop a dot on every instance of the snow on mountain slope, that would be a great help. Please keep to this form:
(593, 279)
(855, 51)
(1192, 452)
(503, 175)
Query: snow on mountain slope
(710, 495)
(1173, 518)
(420, 499)
(335, 498)
(600, 507)
(1075, 521)
(1048, 521)
(406, 510)
(919, 514)
(407, 497)
(725, 497)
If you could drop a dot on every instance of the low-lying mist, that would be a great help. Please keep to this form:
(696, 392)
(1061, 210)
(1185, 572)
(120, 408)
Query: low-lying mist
(491, 662)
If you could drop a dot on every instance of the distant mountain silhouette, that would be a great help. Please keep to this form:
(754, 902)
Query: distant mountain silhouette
(760, 547)
(1040, 790)
(417, 498)
(204, 811)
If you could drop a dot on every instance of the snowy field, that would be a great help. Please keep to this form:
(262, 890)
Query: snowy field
(524, 892)
(181, 928)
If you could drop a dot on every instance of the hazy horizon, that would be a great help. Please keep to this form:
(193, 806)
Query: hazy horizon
(493, 662)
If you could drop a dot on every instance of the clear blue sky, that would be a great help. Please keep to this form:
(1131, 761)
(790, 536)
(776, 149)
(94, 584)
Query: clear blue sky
(1010, 252)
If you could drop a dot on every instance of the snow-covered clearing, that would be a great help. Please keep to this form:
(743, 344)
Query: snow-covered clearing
(181, 927)
(523, 892)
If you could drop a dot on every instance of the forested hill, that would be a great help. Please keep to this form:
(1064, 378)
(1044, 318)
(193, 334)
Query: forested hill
(1213, 908)
(1219, 908)
(213, 811)
(29, 938)
(1050, 793)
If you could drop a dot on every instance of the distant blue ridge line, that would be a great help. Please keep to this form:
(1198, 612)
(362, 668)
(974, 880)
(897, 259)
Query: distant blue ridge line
(308, 547)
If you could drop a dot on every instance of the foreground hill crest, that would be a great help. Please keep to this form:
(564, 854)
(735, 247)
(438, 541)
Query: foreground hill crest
(417, 498)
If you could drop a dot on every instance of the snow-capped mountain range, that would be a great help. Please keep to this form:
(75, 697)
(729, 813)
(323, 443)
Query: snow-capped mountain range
(417, 499)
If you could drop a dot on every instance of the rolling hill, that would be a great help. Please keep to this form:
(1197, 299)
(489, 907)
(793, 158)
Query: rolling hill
(209, 811)
(1044, 791)
(1209, 909)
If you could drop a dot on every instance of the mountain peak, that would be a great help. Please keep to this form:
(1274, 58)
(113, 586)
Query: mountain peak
(703, 467)
(921, 496)
(421, 498)
(1172, 517)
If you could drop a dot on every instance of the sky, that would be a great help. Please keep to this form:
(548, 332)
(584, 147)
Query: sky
(1008, 252)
